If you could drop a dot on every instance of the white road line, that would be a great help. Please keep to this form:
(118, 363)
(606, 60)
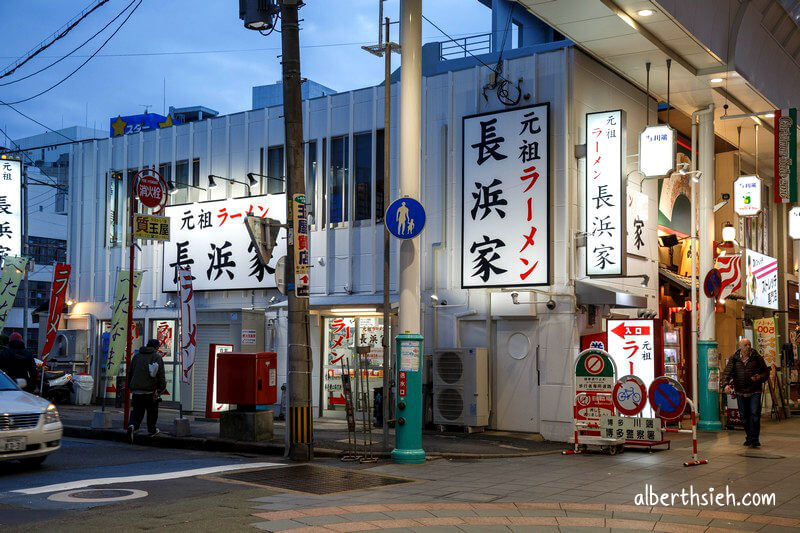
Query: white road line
(145, 477)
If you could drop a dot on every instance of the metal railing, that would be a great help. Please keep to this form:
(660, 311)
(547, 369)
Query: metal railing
(459, 48)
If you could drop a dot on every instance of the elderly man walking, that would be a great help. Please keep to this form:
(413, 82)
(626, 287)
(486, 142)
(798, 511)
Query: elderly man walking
(745, 375)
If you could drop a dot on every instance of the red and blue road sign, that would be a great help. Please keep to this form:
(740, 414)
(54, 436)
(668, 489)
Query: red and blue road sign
(667, 398)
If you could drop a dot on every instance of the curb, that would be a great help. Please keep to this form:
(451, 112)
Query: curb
(213, 444)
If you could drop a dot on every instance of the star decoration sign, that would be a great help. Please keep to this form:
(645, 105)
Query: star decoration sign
(119, 126)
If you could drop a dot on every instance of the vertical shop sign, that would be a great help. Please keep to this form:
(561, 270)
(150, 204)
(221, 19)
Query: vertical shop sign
(631, 344)
(119, 321)
(10, 208)
(785, 156)
(639, 238)
(188, 319)
(747, 196)
(657, 151)
(761, 280)
(766, 342)
(605, 200)
(9, 284)
(505, 210)
(301, 244)
(58, 296)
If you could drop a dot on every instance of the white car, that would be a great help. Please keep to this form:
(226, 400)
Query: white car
(30, 428)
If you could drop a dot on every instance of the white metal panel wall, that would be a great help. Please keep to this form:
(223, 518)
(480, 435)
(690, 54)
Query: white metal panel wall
(206, 335)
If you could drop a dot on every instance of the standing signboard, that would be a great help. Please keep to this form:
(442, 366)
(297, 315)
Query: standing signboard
(10, 208)
(761, 280)
(214, 408)
(119, 321)
(786, 156)
(212, 238)
(631, 343)
(766, 342)
(58, 296)
(188, 321)
(631, 429)
(505, 207)
(594, 383)
(657, 151)
(606, 246)
(301, 245)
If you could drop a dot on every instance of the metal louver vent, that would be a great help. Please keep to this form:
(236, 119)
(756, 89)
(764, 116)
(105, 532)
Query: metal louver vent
(450, 404)
(449, 367)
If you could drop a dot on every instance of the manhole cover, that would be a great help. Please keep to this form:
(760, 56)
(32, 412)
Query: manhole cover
(313, 479)
(97, 495)
(762, 455)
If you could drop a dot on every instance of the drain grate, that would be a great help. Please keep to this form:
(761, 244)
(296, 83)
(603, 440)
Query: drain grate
(313, 479)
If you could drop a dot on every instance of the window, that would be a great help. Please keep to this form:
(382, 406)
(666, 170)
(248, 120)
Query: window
(362, 146)
(182, 173)
(311, 181)
(379, 207)
(38, 294)
(196, 172)
(340, 147)
(45, 251)
(275, 184)
(165, 169)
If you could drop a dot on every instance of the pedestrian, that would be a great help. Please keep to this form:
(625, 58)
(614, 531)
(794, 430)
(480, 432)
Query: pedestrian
(18, 362)
(146, 381)
(745, 375)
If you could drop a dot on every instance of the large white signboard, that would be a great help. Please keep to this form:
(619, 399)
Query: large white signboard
(505, 212)
(605, 194)
(747, 196)
(631, 343)
(657, 151)
(794, 223)
(211, 238)
(10, 208)
(761, 280)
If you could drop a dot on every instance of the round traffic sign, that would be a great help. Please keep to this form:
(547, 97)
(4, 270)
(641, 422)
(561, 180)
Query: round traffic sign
(667, 398)
(629, 395)
(405, 218)
(150, 188)
(594, 364)
(712, 284)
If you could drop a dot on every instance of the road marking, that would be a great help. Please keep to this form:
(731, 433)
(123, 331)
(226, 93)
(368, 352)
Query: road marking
(71, 485)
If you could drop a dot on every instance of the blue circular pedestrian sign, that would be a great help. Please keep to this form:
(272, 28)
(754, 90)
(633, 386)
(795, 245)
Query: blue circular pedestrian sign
(405, 218)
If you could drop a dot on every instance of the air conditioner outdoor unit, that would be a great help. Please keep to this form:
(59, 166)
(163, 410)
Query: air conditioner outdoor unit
(461, 387)
(71, 346)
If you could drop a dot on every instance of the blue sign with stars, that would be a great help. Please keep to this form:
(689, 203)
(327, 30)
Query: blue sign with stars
(405, 218)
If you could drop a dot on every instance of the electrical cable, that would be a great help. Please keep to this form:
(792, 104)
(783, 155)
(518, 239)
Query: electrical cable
(61, 35)
(25, 154)
(36, 121)
(82, 64)
(87, 41)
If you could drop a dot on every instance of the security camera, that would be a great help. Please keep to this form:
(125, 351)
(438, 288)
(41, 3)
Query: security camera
(515, 298)
(551, 304)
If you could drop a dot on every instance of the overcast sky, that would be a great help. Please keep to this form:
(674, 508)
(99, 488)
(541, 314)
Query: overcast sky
(183, 42)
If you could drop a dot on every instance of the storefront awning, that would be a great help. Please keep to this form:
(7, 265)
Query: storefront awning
(591, 294)
(684, 282)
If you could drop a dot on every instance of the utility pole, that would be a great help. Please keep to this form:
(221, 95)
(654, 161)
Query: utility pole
(299, 414)
(26, 294)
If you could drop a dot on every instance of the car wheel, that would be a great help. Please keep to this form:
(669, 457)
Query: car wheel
(33, 462)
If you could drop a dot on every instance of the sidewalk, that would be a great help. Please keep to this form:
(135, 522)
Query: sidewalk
(330, 437)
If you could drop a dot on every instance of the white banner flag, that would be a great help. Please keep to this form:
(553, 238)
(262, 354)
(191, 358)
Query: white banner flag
(188, 321)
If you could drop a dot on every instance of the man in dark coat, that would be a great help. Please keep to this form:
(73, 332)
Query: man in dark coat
(18, 362)
(146, 381)
(745, 375)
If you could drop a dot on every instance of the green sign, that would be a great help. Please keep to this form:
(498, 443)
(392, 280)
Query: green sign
(785, 156)
(119, 322)
(13, 268)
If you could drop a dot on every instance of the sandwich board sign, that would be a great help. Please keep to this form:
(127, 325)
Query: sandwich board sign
(595, 375)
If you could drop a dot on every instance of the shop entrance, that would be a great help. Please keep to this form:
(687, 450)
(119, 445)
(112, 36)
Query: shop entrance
(516, 378)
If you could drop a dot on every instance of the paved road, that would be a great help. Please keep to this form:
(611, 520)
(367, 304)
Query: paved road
(170, 489)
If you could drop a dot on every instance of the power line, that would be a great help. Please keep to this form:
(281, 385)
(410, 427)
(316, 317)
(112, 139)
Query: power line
(33, 120)
(82, 64)
(73, 50)
(25, 154)
(44, 47)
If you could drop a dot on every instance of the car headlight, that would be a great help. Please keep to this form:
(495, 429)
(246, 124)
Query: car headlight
(51, 414)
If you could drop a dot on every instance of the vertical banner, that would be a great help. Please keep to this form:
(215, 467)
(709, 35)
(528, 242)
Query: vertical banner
(301, 242)
(766, 342)
(188, 320)
(9, 284)
(10, 208)
(785, 156)
(58, 296)
(606, 248)
(119, 321)
(505, 207)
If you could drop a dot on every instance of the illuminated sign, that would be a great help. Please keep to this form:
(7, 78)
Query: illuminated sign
(747, 196)
(657, 151)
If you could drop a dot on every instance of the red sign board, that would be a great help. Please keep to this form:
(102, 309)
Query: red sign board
(592, 406)
(57, 297)
(401, 386)
(630, 395)
(151, 189)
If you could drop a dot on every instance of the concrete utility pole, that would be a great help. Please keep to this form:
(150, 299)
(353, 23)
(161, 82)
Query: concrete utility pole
(25, 253)
(299, 414)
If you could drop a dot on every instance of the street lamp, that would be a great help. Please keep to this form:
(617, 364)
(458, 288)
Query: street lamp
(173, 188)
(728, 232)
(253, 181)
(213, 177)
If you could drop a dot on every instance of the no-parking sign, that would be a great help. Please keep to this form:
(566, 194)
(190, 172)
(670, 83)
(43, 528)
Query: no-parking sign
(594, 380)
(630, 395)
(667, 398)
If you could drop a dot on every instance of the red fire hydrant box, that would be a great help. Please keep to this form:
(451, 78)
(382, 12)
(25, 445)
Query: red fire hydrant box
(247, 378)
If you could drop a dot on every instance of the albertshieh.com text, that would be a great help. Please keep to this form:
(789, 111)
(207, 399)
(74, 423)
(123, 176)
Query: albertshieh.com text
(710, 497)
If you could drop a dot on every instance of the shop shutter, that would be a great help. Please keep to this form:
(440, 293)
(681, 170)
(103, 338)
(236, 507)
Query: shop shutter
(206, 335)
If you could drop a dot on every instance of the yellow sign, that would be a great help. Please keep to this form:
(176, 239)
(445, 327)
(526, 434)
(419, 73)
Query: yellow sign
(151, 227)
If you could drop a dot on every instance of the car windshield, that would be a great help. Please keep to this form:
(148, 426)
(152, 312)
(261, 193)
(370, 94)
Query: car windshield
(6, 383)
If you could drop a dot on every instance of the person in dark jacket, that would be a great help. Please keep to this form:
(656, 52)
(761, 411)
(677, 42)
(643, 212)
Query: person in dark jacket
(18, 362)
(745, 375)
(146, 381)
